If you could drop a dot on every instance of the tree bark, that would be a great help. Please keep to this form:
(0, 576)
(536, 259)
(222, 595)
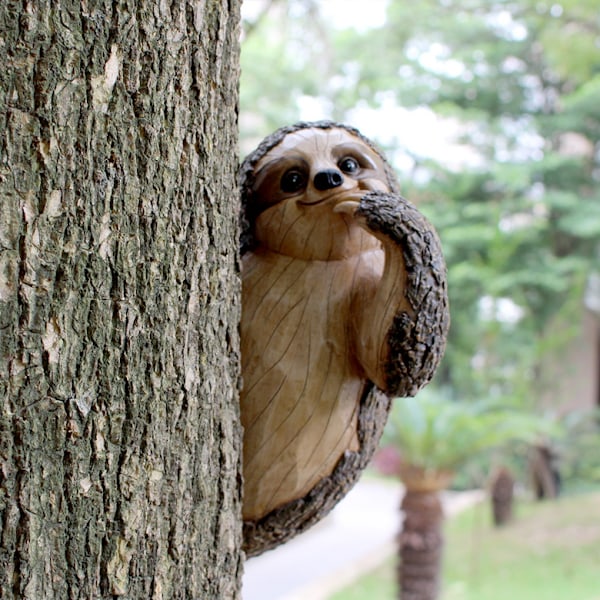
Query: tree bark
(421, 545)
(421, 541)
(119, 300)
(544, 474)
(502, 494)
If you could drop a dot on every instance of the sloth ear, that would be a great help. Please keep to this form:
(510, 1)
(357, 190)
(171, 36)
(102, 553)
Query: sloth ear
(247, 240)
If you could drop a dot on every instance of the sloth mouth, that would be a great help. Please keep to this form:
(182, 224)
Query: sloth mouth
(337, 197)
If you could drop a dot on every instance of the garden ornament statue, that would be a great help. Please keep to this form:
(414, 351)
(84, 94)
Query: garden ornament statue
(344, 305)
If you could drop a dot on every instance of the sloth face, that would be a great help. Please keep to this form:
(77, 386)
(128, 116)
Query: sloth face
(306, 190)
(313, 165)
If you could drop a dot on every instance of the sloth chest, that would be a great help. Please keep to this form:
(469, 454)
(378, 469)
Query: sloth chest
(301, 384)
(296, 319)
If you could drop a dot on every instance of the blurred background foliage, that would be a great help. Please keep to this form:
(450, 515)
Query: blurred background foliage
(490, 112)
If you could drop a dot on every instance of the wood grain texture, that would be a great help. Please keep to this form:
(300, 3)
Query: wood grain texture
(291, 519)
(301, 393)
(343, 287)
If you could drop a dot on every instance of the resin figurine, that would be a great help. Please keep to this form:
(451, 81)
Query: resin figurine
(344, 307)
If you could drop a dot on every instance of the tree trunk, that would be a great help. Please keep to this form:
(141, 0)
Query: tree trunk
(119, 300)
(421, 545)
(544, 473)
(502, 493)
(421, 541)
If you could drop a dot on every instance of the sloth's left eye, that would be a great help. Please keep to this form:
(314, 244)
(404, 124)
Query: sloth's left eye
(293, 181)
(348, 165)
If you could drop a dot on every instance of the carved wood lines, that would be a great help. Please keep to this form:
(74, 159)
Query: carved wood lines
(298, 515)
(303, 410)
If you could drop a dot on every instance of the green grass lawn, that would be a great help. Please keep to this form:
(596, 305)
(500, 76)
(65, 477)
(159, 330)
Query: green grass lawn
(551, 551)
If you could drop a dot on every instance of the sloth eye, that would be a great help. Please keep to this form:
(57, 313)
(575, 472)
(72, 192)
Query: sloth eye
(292, 181)
(348, 165)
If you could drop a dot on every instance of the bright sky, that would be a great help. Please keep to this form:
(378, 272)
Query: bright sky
(360, 14)
(419, 129)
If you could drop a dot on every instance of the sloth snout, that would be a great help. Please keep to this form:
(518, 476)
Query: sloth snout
(328, 179)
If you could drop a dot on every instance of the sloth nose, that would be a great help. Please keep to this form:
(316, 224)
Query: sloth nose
(328, 179)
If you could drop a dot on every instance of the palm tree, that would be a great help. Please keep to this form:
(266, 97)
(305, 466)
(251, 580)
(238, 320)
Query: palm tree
(435, 436)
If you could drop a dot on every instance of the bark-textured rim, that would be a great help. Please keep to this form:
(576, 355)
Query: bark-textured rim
(296, 516)
(417, 338)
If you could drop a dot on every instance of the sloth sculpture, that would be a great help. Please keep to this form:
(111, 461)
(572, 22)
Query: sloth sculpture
(344, 306)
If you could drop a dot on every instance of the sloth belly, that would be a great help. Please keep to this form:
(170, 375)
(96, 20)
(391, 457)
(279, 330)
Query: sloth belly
(301, 385)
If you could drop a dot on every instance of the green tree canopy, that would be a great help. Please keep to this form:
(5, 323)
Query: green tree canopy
(514, 195)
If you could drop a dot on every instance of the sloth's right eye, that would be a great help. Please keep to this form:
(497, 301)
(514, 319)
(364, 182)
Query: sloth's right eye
(293, 181)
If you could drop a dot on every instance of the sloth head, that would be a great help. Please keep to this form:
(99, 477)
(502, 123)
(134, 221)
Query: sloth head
(302, 185)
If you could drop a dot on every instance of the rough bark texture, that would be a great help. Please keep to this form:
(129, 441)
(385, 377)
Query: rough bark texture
(417, 339)
(119, 437)
(421, 546)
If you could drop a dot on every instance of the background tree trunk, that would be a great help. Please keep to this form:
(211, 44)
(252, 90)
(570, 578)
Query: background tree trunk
(119, 308)
(502, 492)
(421, 540)
(421, 544)
(544, 472)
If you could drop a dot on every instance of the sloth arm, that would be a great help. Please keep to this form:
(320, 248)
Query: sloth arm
(400, 321)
